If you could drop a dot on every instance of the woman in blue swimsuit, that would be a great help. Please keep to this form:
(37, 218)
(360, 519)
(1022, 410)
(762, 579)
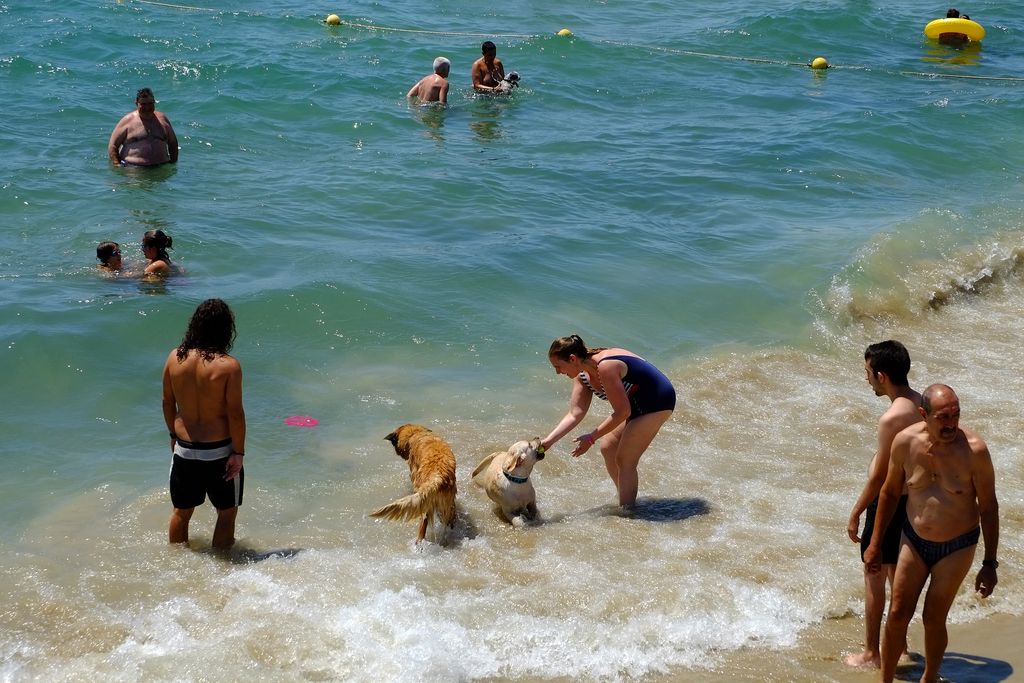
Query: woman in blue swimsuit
(641, 397)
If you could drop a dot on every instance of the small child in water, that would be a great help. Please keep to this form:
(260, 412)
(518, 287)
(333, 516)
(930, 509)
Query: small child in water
(109, 254)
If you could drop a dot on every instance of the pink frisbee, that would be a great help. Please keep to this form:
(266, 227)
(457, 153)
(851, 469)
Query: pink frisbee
(301, 421)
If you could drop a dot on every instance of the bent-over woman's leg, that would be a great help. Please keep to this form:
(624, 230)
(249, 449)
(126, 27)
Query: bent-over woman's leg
(634, 439)
(609, 449)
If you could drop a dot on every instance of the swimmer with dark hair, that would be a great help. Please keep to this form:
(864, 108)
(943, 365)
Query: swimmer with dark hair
(954, 38)
(109, 254)
(488, 72)
(155, 244)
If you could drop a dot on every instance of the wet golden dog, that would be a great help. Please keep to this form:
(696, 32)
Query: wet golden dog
(506, 478)
(432, 470)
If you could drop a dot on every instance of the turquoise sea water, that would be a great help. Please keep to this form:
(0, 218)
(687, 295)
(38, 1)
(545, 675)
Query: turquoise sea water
(670, 179)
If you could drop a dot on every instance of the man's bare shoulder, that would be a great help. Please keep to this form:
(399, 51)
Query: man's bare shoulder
(901, 414)
(908, 434)
(222, 366)
(227, 361)
(974, 441)
(220, 361)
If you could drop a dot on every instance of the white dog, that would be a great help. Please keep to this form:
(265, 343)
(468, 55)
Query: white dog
(507, 480)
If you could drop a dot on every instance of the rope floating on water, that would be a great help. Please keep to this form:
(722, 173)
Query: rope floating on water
(710, 55)
(184, 7)
(374, 27)
(668, 50)
(783, 62)
(927, 74)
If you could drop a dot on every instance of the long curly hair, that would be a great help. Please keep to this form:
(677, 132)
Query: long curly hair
(211, 331)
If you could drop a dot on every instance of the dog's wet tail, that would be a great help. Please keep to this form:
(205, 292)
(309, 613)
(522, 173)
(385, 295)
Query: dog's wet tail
(413, 506)
(436, 499)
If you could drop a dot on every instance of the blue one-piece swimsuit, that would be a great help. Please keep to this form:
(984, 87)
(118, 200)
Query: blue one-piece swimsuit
(649, 391)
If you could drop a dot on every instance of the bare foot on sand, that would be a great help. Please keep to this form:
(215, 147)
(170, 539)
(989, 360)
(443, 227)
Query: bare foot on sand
(863, 660)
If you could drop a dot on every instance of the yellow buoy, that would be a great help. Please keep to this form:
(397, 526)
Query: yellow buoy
(333, 20)
(819, 63)
(565, 32)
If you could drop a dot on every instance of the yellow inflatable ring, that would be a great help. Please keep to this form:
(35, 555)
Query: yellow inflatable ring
(971, 29)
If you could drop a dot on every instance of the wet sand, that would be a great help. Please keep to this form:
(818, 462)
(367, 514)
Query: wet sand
(987, 651)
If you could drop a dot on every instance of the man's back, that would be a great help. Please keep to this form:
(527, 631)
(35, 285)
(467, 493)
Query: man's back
(902, 413)
(432, 87)
(200, 390)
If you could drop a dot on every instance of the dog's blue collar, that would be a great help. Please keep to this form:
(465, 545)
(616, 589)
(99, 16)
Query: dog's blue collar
(514, 479)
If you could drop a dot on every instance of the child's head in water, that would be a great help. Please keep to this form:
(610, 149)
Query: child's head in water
(109, 254)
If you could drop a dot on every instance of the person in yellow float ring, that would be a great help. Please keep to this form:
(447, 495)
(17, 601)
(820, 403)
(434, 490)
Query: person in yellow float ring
(954, 38)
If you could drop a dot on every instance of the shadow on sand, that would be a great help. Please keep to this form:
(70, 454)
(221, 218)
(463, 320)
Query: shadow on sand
(664, 509)
(250, 555)
(646, 510)
(958, 667)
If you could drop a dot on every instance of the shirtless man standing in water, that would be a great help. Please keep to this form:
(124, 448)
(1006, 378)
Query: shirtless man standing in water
(951, 486)
(143, 137)
(202, 402)
(433, 88)
(886, 365)
(488, 71)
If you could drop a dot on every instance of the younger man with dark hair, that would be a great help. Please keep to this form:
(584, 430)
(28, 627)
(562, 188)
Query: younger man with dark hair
(488, 71)
(886, 365)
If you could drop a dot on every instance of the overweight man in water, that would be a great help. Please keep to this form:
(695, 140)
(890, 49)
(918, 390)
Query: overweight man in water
(143, 137)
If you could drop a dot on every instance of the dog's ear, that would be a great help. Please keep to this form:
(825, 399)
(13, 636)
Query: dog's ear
(512, 461)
